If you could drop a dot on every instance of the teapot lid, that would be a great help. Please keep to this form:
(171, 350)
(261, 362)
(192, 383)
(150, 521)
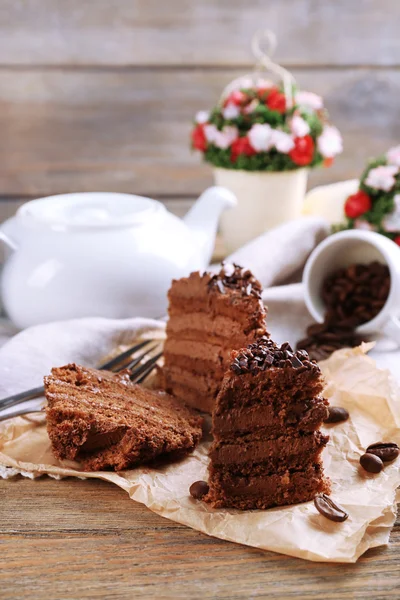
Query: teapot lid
(90, 210)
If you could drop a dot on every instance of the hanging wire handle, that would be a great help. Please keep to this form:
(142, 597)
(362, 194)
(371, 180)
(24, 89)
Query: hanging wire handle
(266, 37)
(263, 45)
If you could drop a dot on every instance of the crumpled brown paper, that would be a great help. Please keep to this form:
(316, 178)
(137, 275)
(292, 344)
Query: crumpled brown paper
(373, 400)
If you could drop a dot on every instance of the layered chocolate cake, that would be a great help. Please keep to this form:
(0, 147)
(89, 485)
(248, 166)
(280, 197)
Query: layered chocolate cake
(104, 421)
(209, 316)
(267, 447)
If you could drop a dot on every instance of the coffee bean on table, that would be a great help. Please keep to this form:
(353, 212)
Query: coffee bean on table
(329, 509)
(198, 489)
(371, 463)
(337, 414)
(386, 451)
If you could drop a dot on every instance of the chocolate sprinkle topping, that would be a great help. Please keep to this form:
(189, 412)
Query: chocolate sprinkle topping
(265, 353)
(236, 278)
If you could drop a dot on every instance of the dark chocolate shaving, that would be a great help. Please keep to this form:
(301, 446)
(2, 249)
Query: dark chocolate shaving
(236, 278)
(264, 354)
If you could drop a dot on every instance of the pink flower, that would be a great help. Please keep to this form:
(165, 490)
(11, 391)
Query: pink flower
(382, 178)
(363, 224)
(202, 117)
(224, 138)
(393, 156)
(309, 100)
(330, 142)
(282, 141)
(299, 126)
(260, 137)
(392, 221)
(231, 111)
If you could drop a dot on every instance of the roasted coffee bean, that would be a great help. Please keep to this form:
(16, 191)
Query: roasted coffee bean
(371, 463)
(330, 510)
(352, 295)
(337, 414)
(199, 489)
(386, 451)
(315, 329)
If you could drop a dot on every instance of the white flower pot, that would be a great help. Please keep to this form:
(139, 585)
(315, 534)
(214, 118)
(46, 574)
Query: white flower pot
(265, 200)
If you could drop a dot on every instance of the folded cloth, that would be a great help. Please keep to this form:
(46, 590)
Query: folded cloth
(278, 256)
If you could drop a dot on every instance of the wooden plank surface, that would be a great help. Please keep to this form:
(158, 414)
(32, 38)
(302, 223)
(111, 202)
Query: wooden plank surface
(87, 539)
(129, 131)
(185, 32)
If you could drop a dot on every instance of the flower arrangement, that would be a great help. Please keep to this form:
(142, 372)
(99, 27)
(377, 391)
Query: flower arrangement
(254, 129)
(376, 204)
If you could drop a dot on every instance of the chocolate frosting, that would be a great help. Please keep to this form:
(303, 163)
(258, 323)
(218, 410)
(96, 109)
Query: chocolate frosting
(237, 278)
(264, 353)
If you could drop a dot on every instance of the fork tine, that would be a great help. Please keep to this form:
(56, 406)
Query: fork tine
(19, 413)
(144, 370)
(107, 366)
(21, 397)
(137, 360)
(39, 391)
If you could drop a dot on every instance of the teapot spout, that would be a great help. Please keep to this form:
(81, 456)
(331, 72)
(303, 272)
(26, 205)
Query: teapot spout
(202, 218)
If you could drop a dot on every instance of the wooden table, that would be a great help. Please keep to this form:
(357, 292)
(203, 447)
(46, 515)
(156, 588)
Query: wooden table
(87, 539)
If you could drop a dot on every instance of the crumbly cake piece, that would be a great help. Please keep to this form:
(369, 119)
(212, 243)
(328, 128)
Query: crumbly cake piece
(104, 421)
(209, 316)
(267, 444)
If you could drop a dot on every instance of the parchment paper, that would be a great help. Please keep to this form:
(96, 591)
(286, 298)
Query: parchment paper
(372, 398)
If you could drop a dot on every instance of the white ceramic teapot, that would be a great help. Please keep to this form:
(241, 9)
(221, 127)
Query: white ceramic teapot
(102, 254)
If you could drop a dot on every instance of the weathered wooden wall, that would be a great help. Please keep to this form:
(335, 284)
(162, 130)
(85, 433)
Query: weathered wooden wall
(99, 95)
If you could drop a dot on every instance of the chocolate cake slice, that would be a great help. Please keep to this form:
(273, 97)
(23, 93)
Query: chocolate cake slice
(267, 448)
(209, 316)
(104, 421)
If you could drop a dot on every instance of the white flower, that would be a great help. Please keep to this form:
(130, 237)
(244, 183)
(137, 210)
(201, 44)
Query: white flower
(330, 142)
(211, 132)
(393, 156)
(224, 138)
(231, 111)
(392, 221)
(260, 137)
(309, 100)
(382, 178)
(363, 224)
(264, 84)
(299, 126)
(282, 141)
(244, 83)
(202, 117)
(251, 106)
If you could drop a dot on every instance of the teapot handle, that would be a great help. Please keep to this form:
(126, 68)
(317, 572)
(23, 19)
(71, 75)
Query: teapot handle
(7, 241)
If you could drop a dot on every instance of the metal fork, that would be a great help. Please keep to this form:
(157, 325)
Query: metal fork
(138, 373)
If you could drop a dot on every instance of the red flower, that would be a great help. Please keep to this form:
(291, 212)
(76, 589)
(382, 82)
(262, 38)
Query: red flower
(328, 162)
(276, 101)
(262, 93)
(303, 151)
(199, 141)
(357, 204)
(236, 97)
(397, 240)
(241, 146)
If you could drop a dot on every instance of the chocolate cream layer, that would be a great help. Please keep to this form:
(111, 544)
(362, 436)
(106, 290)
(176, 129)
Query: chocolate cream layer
(306, 415)
(251, 449)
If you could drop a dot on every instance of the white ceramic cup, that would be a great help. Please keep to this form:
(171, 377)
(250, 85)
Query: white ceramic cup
(346, 248)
